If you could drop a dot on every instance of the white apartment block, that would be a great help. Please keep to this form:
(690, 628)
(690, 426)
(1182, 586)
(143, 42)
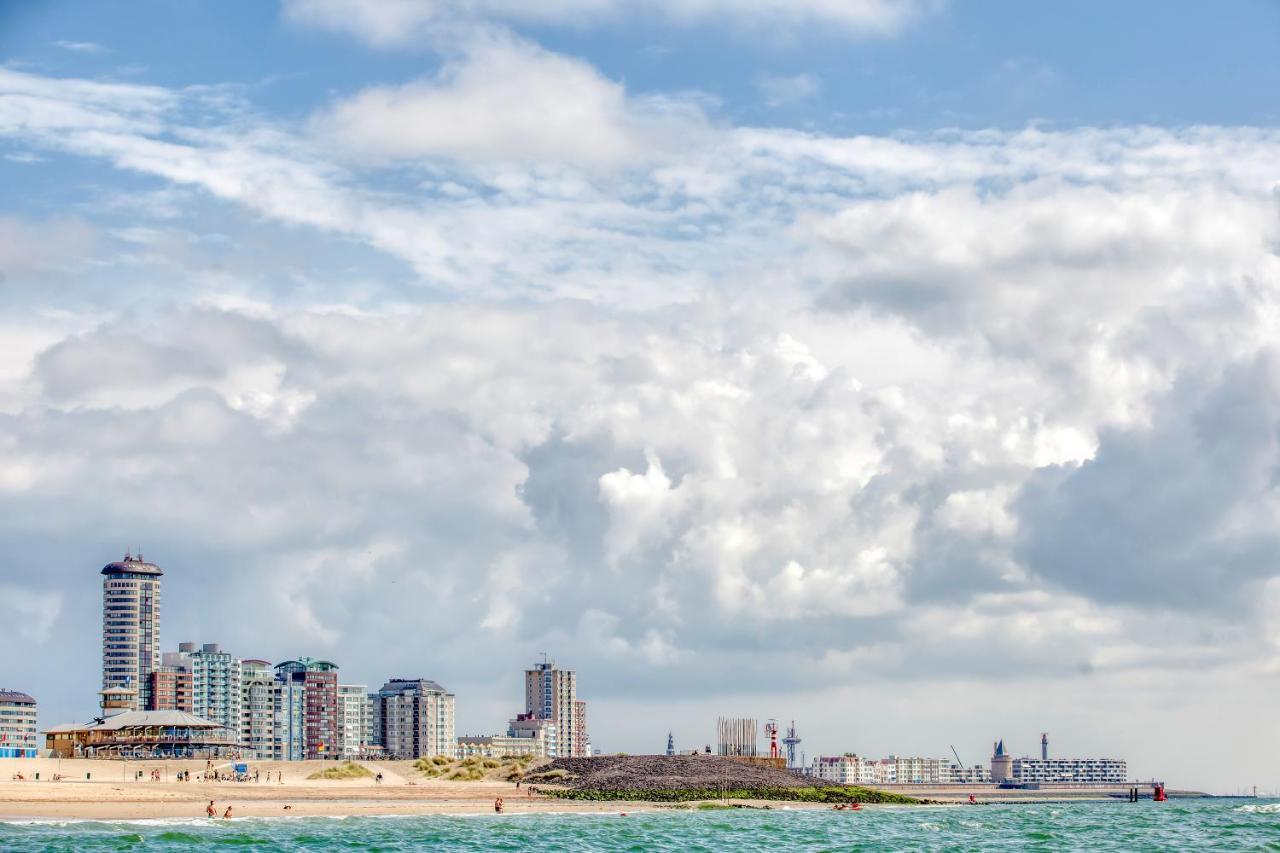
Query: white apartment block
(1095, 771)
(215, 682)
(18, 737)
(353, 720)
(850, 769)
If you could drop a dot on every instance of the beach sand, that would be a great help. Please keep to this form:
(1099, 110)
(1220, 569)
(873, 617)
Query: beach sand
(112, 791)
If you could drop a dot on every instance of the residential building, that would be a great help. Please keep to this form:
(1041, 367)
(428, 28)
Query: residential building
(130, 632)
(851, 769)
(171, 690)
(493, 746)
(306, 719)
(215, 682)
(374, 738)
(1071, 771)
(847, 769)
(353, 713)
(258, 696)
(550, 694)
(582, 740)
(17, 725)
(540, 735)
(416, 719)
(1061, 771)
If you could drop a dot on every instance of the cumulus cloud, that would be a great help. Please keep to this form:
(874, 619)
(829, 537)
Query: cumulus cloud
(986, 407)
(507, 99)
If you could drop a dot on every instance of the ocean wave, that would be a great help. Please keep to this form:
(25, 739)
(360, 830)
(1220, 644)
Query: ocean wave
(1265, 808)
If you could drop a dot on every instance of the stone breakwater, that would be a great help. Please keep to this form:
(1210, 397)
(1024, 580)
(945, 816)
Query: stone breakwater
(660, 778)
(662, 772)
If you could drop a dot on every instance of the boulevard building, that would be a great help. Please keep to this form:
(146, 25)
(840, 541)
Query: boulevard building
(18, 737)
(130, 633)
(306, 718)
(171, 690)
(353, 714)
(551, 694)
(215, 682)
(1059, 771)
(414, 718)
(851, 769)
(259, 695)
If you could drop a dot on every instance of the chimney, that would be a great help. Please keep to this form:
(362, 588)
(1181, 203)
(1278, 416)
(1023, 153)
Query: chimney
(1044, 745)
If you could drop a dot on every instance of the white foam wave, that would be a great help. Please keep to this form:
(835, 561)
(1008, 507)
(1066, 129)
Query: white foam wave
(1264, 808)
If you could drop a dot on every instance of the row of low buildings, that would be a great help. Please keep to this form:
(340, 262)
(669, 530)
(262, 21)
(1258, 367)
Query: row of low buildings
(202, 700)
(851, 769)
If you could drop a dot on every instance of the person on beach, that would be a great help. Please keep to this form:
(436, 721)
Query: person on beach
(227, 814)
(497, 805)
(210, 810)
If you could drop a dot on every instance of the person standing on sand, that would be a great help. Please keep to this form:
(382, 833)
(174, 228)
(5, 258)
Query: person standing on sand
(497, 805)
(210, 810)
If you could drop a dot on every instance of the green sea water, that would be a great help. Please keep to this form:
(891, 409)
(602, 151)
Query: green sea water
(1177, 825)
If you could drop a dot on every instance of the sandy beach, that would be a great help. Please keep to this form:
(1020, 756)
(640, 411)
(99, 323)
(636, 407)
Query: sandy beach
(112, 791)
(100, 789)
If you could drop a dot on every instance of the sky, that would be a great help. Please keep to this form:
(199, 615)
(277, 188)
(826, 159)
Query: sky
(906, 368)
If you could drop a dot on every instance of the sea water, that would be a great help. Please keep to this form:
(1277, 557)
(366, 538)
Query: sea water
(1213, 824)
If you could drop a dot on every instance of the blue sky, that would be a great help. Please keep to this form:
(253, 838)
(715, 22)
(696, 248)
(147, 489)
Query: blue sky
(789, 359)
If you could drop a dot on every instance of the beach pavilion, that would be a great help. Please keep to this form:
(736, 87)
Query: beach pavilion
(143, 734)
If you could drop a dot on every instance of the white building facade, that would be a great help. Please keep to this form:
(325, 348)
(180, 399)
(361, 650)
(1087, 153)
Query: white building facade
(851, 769)
(18, 738)
(217, 693)
(353, 720)
(1067, 771)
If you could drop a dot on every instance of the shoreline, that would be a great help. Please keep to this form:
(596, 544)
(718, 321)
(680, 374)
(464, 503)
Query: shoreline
(106, 790)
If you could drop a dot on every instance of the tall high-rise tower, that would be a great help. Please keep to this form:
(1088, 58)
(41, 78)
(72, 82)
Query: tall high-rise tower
(550, 694)
(130, 632)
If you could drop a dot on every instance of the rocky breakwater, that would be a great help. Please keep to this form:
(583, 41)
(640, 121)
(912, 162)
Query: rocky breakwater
(686, 778)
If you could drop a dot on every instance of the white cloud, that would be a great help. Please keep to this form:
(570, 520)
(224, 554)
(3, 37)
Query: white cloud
(80, 46)
(413, 23)
(778, 89)
(506, 99)
(896, 403)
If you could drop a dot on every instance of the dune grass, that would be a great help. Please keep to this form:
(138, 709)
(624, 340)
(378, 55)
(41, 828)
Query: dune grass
(345, 770)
